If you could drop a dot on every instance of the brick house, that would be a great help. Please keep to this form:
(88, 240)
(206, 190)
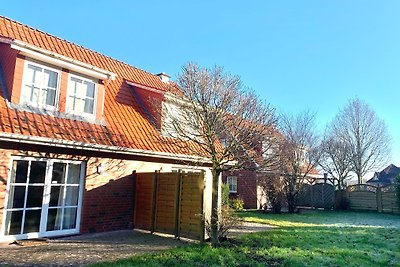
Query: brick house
(75, 125)
(243, 185)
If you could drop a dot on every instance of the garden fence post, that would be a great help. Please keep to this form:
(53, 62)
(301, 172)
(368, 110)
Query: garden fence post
(379, 198)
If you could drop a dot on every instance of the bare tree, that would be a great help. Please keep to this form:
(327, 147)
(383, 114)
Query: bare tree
(365, 135)
(299, 153)
(335, 158)
(218, 118)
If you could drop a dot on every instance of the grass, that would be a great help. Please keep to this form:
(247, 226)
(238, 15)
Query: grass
(318, 239)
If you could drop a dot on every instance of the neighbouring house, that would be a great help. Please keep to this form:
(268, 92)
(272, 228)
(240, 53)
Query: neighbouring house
(243, 185)
(249, 184)
(76, 129)
(385, 177)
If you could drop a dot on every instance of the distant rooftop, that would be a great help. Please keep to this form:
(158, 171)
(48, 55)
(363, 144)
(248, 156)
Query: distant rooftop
(386, 176)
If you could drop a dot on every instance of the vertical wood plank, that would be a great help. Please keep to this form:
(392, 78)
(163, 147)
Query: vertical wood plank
(154, 202)
(134, 177)
(178, 201)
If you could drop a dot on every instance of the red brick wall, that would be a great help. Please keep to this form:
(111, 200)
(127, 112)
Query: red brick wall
(18, 76)
(7, 60)
(4, 169)
(107, 199)
(62, 100)
(246, 187)
(109, 207)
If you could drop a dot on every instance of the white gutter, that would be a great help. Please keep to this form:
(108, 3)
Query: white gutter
(36, 140)
(60, 60)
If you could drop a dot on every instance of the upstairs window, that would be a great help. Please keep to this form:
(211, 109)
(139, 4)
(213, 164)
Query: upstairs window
(81, 95)
(40, 87)
(232, 182)
(172, 117)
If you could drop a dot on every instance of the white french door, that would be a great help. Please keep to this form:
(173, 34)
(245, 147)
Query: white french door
(43, 198)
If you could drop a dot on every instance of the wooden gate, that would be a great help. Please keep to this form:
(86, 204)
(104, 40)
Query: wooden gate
(321, 195)
(170, 203)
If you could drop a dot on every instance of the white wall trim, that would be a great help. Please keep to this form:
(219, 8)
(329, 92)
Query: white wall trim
(61, 61)
(36, 140)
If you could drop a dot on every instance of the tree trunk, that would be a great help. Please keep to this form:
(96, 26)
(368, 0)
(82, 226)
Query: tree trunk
(291, 204)
(215, 208)
(291, 195)
(359, 176)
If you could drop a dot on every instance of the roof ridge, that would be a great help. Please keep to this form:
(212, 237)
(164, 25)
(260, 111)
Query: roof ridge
(75, 44)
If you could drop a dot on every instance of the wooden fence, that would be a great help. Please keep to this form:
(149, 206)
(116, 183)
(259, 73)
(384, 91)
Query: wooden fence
(170, 203)
(373, 198)
(321, 195)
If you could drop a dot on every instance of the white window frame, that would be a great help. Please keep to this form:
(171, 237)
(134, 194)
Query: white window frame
(46, 200)
(232, 186)
(24, 85)
(171, 112)
(69, 93)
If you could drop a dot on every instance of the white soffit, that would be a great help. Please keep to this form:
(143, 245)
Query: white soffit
(61, 61)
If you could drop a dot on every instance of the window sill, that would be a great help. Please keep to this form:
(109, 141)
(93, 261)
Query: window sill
(54, 113)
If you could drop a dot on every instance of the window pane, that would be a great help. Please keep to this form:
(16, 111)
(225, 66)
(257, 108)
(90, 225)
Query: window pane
(71, 198)
(58, 173)
(20, 170)
(81, 90)
(27, 92)
(30, 74)
(79, 105)
(74, 173)
(38, 172)
(89, 89)
(54, 219)
(13, 223)
(34, 75)
(50, 78)
(35, 97)
(50, 97)
(69, 218)
(56, 196)
(16, 197)
(41, 86)
(71, 103)
(32, 221)
(89, 103)
(35, 197)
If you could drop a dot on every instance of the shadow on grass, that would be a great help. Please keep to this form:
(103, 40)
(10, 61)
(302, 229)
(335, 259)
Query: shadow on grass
(326, 239)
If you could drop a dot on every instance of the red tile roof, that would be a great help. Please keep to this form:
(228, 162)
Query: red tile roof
(126, 123)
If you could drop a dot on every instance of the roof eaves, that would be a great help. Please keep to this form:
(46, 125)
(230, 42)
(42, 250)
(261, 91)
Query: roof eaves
(96, 147)
(59, 60)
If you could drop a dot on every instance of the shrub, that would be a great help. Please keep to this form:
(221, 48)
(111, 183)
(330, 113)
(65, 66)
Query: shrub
(225, 194)
(236, 203)
(274, 190)
(228, 220)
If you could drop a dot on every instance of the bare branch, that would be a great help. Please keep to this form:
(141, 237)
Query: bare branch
(365, 135)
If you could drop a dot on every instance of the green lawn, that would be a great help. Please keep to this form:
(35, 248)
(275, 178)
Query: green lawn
(318, 239)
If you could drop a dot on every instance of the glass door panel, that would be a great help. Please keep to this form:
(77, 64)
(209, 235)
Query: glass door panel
(64, 196)
(25, 200)
(43, 196)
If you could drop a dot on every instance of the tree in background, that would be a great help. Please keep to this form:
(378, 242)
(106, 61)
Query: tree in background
(335, 158)
(219, 119)
(299, 153)
(363, 135)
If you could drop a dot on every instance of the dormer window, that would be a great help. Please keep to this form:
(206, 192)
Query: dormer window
(81, 95)
(41, 85)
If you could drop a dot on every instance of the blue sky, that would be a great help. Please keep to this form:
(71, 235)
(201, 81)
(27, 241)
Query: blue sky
(295, 54)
